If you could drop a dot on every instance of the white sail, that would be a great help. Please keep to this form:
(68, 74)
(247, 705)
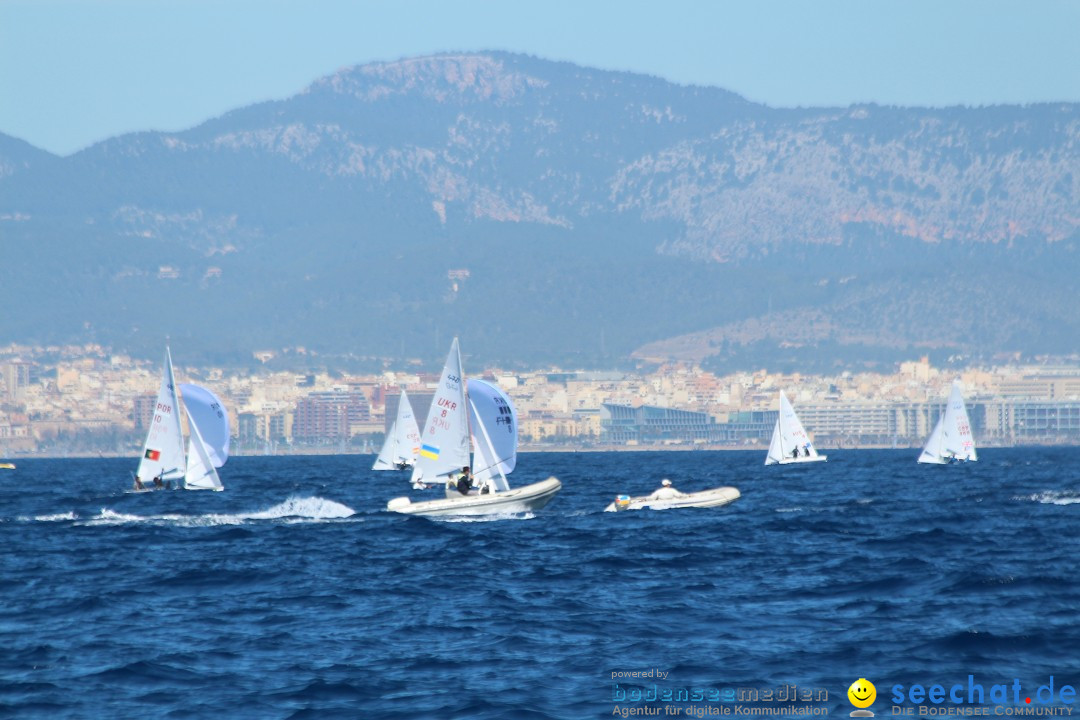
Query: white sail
(790, 442)
(776, 450)
(200, 474)
(932, 450)
(494, 428)
(444, 443)
(206, 410)
(163, 451)
(386, 459)
(402, 443)
(951, 440)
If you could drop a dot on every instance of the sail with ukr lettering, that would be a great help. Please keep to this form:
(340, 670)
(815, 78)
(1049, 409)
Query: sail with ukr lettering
(951, 441)
(444, 442)
(208, 437)
(495, 434)
(790, 442)
(163, 451)
(402, 443)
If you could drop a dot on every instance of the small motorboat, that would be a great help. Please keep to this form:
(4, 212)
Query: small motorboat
(706, 498)
(515, 500)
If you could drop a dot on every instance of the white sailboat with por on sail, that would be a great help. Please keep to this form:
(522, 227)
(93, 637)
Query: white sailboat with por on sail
(164, 462)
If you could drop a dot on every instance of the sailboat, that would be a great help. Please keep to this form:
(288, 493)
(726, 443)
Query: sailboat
(402, 443)
(951, 441)
(481, 411)
(790, 443)
(164, 459)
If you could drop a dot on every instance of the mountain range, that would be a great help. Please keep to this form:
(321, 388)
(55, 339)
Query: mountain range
(551, 213)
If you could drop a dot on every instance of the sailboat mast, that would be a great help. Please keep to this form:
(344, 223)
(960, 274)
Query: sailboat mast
(939, 451)
(780, 425)
(175, 397)
(465, 394)
(395, 451)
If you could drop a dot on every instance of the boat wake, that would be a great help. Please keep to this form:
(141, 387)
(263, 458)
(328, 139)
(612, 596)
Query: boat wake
(1053, 497)
(304, 509)
(57, 517)
(293, 510)
(494, 517)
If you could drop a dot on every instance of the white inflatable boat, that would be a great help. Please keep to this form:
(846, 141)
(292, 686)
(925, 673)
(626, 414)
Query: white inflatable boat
(516, 500)
(706, 498)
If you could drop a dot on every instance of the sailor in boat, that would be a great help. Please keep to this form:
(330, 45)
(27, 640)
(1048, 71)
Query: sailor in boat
(138, 484)
(665, 491)
(464, 482)
(157, 482)
(418, 481)
(401, 465)
(795, 452)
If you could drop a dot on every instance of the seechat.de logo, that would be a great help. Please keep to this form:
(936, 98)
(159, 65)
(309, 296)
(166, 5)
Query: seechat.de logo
(862, 694)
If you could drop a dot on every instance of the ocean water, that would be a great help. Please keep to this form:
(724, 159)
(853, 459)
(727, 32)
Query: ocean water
(294, 595)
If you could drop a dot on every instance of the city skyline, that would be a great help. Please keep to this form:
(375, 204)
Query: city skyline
(90, 400)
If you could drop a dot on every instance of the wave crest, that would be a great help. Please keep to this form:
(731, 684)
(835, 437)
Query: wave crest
(292, 510)
(1053, 497)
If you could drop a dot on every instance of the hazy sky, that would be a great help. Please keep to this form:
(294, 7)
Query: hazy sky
(73, 72)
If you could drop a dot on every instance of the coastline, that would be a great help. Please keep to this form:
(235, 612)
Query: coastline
(533, 448)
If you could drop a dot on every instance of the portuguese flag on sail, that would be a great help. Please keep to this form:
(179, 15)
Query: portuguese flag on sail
(152, 454)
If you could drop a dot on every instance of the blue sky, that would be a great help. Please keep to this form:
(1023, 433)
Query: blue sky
(73, 72)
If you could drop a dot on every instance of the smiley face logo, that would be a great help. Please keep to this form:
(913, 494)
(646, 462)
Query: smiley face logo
(862, 693)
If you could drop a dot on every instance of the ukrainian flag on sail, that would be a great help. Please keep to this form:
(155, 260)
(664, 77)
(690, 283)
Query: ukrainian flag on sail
(430, 452)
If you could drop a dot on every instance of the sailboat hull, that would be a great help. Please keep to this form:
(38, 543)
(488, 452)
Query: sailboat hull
(930, 460)
(516, 500)
(153, 488)
(704, 499)
(793, 461)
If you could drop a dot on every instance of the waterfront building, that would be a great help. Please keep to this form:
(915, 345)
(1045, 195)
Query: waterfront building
(649, 424)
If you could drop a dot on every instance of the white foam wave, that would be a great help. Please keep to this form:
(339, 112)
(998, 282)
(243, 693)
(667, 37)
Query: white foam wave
(293, 510)
(111, 517)
(494, 517)
(309, 508)
(57, 517)
(1052, 497)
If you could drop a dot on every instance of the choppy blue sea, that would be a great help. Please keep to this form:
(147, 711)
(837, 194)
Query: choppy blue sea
(294, 595)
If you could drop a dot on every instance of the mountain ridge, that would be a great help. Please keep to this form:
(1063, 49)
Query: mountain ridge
(576, 198)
